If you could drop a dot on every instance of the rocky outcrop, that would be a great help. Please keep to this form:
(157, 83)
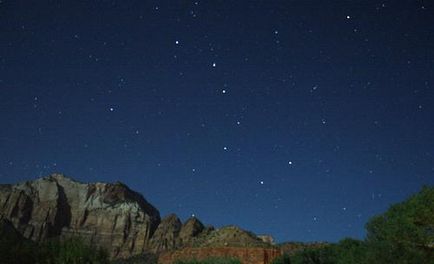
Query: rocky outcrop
(245, 255)
(229, 236)
(172, 234)
(267, 239)
(111, 215)
(166, 235)
(190, 230)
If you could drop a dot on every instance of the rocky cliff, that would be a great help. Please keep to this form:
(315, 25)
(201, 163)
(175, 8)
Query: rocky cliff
(112, 215)
(109, 215)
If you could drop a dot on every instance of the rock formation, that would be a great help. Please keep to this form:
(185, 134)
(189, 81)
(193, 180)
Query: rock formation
(165, 237)
(267, 239)
(229, 236)
(172, 234)
(112, 215)
(190, 230)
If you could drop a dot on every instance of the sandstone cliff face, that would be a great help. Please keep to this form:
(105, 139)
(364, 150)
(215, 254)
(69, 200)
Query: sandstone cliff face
(165, 237)
(172, 234)
(112, 215)
(190, 230)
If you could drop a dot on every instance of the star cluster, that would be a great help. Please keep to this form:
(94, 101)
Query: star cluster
(301, 119)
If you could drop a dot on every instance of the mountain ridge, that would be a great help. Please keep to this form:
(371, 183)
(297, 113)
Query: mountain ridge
(112, 215)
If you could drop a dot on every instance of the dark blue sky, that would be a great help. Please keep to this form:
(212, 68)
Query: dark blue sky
(301, 119)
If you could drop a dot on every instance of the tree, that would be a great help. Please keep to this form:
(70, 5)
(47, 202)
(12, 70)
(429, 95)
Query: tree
(405, 233)
(284, 259)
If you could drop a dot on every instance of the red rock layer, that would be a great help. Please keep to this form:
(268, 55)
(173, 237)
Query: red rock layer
(245, 255)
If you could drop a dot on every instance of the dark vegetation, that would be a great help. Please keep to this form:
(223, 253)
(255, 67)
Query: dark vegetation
(403, 234)
(16, 249)
(210, 261)
(145, 258)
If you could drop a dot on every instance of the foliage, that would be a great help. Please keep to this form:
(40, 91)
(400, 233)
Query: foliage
(402, 235)
(346, 251)
(405, 233)
(73, 250)
(15, 249)
(284, 259)
(146, 258)
(210, 261)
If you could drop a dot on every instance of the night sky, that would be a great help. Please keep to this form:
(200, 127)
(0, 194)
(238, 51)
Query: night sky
(301, 119)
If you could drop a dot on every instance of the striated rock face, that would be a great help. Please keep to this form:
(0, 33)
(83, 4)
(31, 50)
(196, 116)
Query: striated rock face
(245, 255)
(172, 234)
(166, 235)
(189, 230)
(111, 215)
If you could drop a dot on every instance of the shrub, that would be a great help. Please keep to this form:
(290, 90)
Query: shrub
(285, 259)
(73, 250)
(210, 261)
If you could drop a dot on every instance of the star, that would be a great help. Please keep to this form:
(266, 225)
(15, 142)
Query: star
(238, 122)
(214, 64)
(290, 162)
(223, 91)
(261, 182)
(177, 42)
(111, 109)
(225, 148)
(348, 17)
